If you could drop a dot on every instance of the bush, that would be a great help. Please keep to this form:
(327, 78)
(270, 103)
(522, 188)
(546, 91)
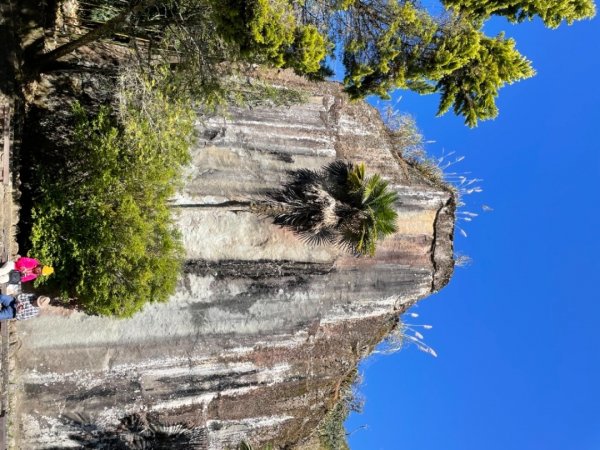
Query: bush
(268, 31)
(331, 431)
(101, 218)
(332, 434)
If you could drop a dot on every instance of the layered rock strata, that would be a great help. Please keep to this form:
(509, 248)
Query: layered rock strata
(263, 329)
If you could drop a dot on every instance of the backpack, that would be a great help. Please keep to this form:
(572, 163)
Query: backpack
(14, 277)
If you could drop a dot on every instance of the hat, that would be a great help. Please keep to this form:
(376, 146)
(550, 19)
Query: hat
(42, 301)
(47, 270)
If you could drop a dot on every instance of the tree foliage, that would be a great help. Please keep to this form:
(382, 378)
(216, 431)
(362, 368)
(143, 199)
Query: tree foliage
(385, 44)
(404, 47)
(336, 205)
(262, 29)
(101, 216)
(268, 31)
(400, 44)
(552, 12)
(472, 89)
(453, 58)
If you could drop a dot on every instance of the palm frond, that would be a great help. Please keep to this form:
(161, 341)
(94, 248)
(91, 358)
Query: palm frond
(356, 178)
(337, 205)
(324, 236)
(337, 171)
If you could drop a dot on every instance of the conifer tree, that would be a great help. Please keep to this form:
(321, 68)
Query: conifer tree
(471, 89)
(453, 58)
(552, 12)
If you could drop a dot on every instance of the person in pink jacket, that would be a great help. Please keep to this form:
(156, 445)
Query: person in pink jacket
(30, 269)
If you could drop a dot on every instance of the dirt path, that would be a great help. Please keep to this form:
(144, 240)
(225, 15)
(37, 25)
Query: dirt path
(8, 248)
(13, 13)
(11, 120)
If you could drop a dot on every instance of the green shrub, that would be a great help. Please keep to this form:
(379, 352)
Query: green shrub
(247, 446)
(331, 431)
(267, 31)
(309, 49)
(101, 218)
(332, 434)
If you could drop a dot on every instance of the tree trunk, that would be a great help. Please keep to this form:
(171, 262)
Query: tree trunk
(104, 30)
(265, 208)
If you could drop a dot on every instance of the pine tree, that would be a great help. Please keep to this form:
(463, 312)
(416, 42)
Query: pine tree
(471, 89)
(453, 58)
(552, 12)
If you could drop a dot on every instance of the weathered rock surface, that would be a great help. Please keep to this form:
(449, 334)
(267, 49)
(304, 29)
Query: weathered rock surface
(263, 328)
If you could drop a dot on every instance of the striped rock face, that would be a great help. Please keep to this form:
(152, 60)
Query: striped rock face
(263, 328)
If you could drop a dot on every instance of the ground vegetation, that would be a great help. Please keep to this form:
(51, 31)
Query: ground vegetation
(100, 211)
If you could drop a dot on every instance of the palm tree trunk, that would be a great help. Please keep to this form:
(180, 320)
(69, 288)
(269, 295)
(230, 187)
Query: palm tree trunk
(266, 208)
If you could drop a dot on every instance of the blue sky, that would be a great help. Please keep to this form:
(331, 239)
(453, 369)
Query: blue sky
(517, 332)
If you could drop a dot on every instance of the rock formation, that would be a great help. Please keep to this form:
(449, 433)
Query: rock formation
(263, 329)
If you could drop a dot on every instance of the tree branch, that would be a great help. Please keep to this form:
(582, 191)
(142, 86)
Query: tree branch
(108, 28)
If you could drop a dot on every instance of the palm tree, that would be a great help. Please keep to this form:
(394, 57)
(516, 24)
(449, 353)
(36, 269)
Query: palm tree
(335, 205)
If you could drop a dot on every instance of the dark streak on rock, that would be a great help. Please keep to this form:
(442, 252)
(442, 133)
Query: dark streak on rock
(226, 204)
(255, 270)
(207, 378)
(441, 251)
